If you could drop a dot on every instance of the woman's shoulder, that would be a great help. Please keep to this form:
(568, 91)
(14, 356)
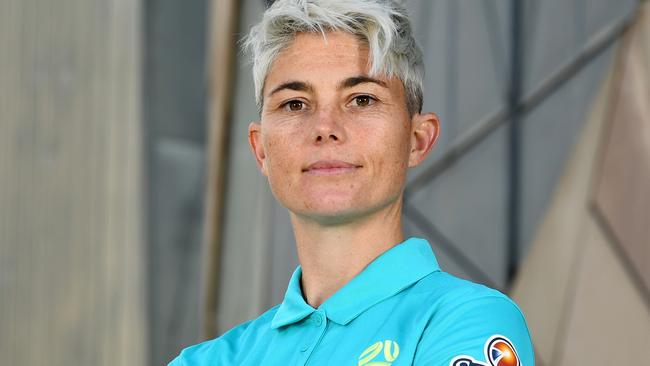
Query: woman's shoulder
(467, 319)
(228, 344)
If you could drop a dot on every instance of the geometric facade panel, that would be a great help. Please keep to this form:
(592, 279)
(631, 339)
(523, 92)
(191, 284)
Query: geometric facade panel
(552, 38)
(544, 283)
(549, 134)
(580, 297)
(466, 52)
(622, 195)
(608, 321)
(466, 204)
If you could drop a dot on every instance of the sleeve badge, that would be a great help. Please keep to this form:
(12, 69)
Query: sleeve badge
(498, 351)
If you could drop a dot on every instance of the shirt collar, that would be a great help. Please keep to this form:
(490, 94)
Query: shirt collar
(391, 272)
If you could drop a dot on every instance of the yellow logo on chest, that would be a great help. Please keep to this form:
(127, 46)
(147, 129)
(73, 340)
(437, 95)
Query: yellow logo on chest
(371, 356)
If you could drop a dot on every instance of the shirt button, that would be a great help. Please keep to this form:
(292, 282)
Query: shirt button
(304, 348)
(318, 319)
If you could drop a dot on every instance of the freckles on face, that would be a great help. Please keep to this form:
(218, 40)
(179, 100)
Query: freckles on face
(320, 104)
(280, 163)
(392, 154)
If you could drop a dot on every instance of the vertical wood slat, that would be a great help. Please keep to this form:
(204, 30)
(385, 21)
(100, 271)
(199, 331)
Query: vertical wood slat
(222, 27)
(71, 261)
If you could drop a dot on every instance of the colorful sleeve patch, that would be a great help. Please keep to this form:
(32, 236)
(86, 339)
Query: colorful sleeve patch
(498, 351)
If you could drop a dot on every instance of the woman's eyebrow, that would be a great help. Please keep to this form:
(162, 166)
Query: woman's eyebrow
(293, 85)
(356, 80)
(347, 83)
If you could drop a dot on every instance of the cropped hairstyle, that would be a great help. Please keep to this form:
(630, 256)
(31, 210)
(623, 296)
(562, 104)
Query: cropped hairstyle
(381, 24)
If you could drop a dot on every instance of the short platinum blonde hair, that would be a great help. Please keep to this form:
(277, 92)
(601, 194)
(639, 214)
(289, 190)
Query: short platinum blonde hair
(382, 24)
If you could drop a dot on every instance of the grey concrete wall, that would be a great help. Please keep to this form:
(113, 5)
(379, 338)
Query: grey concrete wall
(72, 243)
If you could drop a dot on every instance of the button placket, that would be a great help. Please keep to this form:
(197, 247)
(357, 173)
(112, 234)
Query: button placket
(319, 320)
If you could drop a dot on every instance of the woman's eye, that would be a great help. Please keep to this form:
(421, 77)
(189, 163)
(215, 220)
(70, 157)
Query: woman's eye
(363, 100)
(295, 105)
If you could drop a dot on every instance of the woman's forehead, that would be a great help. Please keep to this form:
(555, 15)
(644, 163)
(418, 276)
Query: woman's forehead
(312, 59)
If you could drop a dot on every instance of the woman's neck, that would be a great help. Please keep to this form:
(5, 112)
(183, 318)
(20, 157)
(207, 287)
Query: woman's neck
(331, 255)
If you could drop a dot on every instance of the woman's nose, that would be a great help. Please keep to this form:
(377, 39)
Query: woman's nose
(328, 126)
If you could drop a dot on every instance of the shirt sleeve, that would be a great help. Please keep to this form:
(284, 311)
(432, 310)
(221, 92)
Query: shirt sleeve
(178, 361)
(223, 350)
(484, 331)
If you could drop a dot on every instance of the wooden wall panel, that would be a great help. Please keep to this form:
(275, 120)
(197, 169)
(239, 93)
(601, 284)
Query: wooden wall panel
(71, 243)
(222, 47)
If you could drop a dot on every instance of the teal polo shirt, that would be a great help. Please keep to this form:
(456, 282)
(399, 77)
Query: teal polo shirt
(400, 310)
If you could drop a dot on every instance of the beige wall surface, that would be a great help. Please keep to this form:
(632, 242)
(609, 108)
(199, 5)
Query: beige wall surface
(582, 286)
(71, 261)
(544, 284)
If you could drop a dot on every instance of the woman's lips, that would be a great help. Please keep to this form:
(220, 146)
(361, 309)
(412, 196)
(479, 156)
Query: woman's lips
(329, 167)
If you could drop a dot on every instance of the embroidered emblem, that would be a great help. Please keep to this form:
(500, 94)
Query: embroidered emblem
(498, 350)
(371, 356)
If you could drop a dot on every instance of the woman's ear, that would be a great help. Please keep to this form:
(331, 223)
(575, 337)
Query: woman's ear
(425, 129)
(257, 147)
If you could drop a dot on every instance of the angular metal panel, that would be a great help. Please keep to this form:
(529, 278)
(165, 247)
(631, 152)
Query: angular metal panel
(447, 263)
(467, 204)
(431, 25)
(483, 60)
(549, 135)
(598, 14)
(466, 48)
(553, 34)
